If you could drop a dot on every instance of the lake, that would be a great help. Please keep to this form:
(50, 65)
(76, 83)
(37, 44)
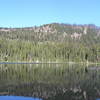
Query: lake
(50, 81)
(17, 98)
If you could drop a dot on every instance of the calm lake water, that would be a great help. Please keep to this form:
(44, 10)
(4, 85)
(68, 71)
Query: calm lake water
(50, 81)
(17, 98)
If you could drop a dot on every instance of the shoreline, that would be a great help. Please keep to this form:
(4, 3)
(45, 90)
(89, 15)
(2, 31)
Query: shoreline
(35, 62)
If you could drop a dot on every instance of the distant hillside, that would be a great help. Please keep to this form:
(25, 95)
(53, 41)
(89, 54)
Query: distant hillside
(54, 32)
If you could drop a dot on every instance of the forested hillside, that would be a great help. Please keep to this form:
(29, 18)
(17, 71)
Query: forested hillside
(51, 42)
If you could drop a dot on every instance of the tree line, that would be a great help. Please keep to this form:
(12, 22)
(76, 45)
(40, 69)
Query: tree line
(16, 50)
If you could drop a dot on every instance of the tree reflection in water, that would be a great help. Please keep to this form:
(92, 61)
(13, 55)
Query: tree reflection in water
(50, 81)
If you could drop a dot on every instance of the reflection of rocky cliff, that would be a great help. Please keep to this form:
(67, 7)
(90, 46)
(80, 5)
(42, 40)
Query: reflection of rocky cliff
(45, 91)
(51, 92)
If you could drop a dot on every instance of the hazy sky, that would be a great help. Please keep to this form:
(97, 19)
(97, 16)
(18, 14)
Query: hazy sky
(23, 13)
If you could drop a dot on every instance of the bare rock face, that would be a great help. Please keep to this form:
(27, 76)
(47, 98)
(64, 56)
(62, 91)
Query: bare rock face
(85, 30)
(98, 34)
(76, 36)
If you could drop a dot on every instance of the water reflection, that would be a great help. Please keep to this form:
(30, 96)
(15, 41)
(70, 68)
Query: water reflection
(50, 81)
(17, 98)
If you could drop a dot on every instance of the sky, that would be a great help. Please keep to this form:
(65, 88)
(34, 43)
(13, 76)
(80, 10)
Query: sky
(27, 13)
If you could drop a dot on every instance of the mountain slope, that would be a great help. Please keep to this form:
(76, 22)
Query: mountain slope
(54, 32)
